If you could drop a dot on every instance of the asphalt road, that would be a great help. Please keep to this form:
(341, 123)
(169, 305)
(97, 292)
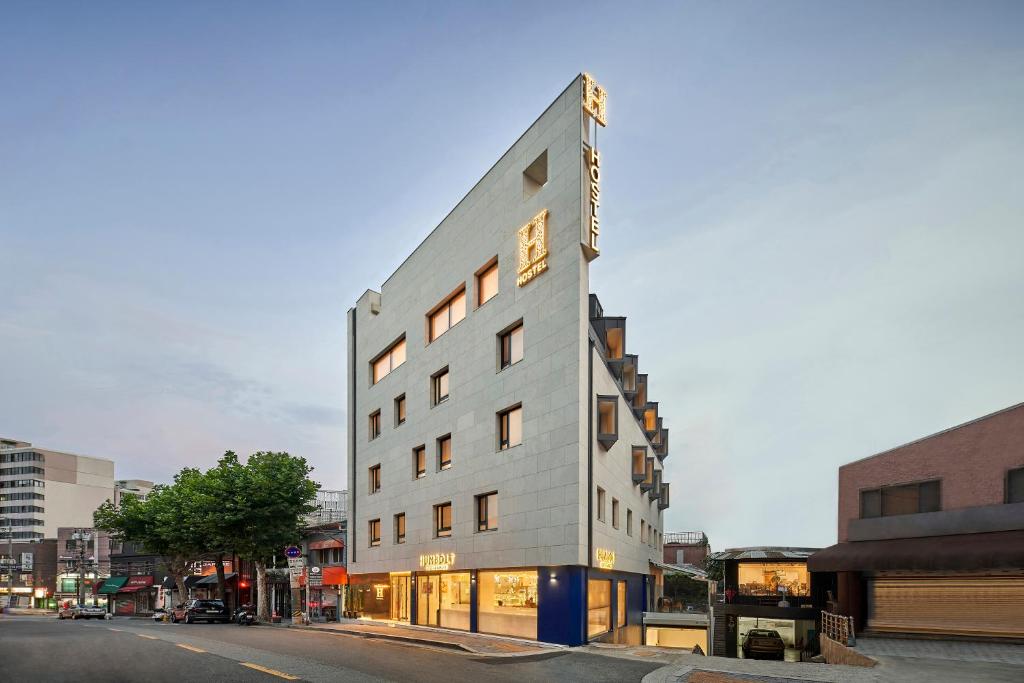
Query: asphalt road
(35, 649)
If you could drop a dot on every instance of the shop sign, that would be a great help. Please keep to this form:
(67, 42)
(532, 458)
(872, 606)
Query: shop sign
(437, 562)
(593, 224)
(605, 558)
(26, 562)
(296, 565)
(533, 248)
(315, 578)
(380, 588)
(595, 99)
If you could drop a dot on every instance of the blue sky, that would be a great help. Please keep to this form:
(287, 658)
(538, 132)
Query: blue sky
(812, 219)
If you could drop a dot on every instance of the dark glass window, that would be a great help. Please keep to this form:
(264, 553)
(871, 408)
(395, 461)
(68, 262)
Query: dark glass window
(1015, 486)
(443, 519)
(905, 499)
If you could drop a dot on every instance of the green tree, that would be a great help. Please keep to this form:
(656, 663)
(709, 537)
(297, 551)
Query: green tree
(268, 514)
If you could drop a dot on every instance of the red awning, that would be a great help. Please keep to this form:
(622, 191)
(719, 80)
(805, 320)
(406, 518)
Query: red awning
(323, 545)
(136, 583)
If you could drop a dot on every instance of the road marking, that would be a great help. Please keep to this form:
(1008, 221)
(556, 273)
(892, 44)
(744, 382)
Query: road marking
(272, 672)
(119, 630)
(143, 635)
(189, 647)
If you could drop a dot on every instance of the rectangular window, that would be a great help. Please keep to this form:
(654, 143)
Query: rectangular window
(600, 504)
(1015, 486)
(487, 284)
(419, 461)
(443, 520)
(607, 418)
(444, 452)
(772, 579)
(614, 339)
(439, 387)
(511, 345)
(487, 512)
(620, 607)
(375, 479)
(447, 315)
(599, 607)
(400, 410)
(374, 424)
(507, 602)
(643, 531)
(904, 499)
(629, 522)
(374, 533)
(510, 428)
(400, 528)
(388, 360)
(639, 463)
(615, 513)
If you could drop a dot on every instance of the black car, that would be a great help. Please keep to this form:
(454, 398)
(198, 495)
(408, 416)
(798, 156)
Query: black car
(200, 610)
(762, 642)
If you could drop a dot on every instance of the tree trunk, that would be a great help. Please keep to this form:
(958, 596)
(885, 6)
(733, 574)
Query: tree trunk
(221, 581)
(176, 567)
(262, 593)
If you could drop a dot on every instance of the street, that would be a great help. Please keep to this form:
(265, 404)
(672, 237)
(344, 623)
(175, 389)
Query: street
(36, 649)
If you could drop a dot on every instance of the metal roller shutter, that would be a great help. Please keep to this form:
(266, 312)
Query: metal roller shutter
(968, 606)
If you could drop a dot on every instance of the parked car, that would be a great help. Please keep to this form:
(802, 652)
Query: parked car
(159, 613)
(762, 642)
(83, 612)
(195, 610)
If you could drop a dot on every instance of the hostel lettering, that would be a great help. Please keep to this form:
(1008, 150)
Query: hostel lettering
(533, 248)
(594, 172)
(605, 558)
(437, 562)
(595, 99)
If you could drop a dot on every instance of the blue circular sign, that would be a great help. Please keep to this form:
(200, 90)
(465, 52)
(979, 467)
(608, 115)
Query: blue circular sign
(292, 551)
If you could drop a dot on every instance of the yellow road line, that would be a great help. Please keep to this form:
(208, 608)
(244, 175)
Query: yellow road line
(272, 672)
(143, 635)
(189, 647)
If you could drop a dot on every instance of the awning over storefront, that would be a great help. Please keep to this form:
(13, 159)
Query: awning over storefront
(112, 585)
(136, 583)
(690, 571)
(966, 552)
(211, 580)
(323, 545)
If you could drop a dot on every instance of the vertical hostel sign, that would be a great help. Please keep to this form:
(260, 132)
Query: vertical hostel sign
(595, 105)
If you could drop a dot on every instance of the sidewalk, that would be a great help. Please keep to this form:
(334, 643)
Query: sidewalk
(474, 643)
(687, 668)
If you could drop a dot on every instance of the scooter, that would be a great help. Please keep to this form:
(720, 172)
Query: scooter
(245, 615)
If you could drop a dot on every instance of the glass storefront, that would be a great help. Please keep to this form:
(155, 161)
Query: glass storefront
(621, 606)
(371, 595)
(599, 607)
(773, 578)
(507, 603)
(400, 588)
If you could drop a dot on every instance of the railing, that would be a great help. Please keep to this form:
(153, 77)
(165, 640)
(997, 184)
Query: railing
(838, 627)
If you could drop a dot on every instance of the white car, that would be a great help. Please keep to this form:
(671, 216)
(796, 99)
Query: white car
(83, 612)
(159, 614)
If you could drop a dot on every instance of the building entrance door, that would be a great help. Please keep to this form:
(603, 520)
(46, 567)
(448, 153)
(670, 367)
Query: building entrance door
(400, 597)
(428, 599)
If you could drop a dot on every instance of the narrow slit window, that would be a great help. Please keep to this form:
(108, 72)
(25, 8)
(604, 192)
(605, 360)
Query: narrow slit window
(444, 452)
(400, 528)
(400, 410)
(419, 462)
(374, 425)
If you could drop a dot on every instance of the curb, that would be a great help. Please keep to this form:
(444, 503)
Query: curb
(670, 673)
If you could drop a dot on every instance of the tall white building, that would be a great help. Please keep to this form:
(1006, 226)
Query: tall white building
(42, 489)
(504, 457)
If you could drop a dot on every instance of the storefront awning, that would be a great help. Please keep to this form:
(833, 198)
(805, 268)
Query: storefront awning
(965, 552)
(688, 570)
(112, 585)
(211, 580)
(136, 583)
(324, 545)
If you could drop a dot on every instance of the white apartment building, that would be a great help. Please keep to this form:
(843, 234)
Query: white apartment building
(41, 489)
(504, 457)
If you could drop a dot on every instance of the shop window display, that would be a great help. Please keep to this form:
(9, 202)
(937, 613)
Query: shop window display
(773, 578)
(599, 607)
(507, 603)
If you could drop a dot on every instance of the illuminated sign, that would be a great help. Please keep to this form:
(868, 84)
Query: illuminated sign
(594, 197)
(595, 99)
(605, 558)
(437, 562)
(380, 588)
(533, 248)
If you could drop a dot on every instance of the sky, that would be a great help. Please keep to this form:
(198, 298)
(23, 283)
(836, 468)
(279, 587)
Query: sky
(812, 217)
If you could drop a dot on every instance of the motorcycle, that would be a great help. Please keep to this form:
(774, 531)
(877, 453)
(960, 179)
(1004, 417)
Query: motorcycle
(245, 615)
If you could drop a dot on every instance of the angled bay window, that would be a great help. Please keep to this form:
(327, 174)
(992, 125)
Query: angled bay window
(640, 397)
(648, 480)
(510, 428)
(510, 346)
(607, 420)
(439, 386)
(655, 489)
(487, 282)
(663, 498)
(388, 360)
(444, 452)
(447, 314)
(639, 463)
(625, 371)
(660, 442)
(650, 418)
(443, 520)
(487, 512)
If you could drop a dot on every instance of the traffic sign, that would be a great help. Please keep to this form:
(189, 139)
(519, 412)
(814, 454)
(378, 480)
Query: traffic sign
(292, 551)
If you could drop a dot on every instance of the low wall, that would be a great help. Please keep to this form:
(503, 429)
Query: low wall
(836, 653)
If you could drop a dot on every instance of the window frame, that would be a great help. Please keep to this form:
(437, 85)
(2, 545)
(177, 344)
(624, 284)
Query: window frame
(881, 490)
(506, 334)
(374, 427)
(505, 427)
(374, 541)
(1019, 471)
(435, 386)
(607, 438)
(401, 408)
(440, 531)
(491, 265)
(400, 528)
(375, 479)
(441, 465)
(446, 304)
(483, 512)
(389, 351)
(601, 497)
(417, 451)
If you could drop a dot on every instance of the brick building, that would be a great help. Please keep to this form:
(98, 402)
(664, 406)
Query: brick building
(931, 533)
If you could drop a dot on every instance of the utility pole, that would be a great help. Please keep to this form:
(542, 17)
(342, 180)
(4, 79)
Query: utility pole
(10, 563)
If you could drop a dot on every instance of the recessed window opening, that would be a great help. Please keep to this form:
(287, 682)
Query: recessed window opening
(535, 176)
(510, 428)
(448, 314)
(443, 520)
(388, 360)
(511, 346)
(487, 283)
